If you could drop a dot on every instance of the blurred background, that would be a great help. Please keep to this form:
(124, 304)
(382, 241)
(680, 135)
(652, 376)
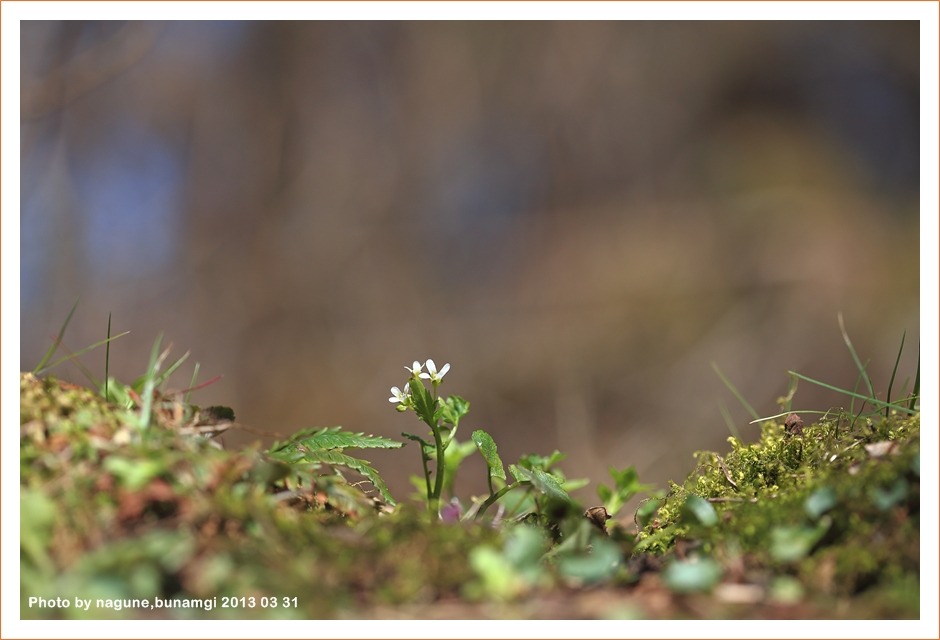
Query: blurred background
(580, 217)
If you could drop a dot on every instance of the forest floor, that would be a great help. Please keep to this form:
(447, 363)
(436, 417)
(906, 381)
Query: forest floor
(131, 504)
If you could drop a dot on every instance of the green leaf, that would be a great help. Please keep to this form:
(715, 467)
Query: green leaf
(648, 508)
(535, 461)
(819, 502)
(884, 499)
(699, 511)
(453, 409)
(573, 484)
(499, 579)
(599, 565)
(515, 569)
(487, 448)
(545, 483)
(424, 402)
(626, 485)
(691, 576)
(788, 544)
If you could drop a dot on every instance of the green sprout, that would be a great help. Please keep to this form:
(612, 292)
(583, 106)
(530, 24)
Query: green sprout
(437, 413)
(442, 415)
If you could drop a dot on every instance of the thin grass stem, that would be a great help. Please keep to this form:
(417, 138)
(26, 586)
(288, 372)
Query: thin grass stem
(735, 392)
(894, 371)
(192, 384)
(55, 344)
(726, 415)
(74, 355)
(916, 391)
(858, 362)
(150, 383)
(875, 401)
(107, 358)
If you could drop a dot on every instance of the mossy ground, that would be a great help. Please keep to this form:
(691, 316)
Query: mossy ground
(830, 512)
(819, 524)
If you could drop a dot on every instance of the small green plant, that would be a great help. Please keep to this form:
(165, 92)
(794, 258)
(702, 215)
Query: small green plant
(442, 415)
(626, 486)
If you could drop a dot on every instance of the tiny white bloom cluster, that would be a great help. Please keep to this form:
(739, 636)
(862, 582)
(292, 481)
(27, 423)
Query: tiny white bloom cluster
(403, 396)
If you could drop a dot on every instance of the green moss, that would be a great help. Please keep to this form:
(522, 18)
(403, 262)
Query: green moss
(837, 506)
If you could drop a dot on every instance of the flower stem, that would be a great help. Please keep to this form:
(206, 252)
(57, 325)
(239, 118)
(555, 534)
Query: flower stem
(496, 496)
(439, 445)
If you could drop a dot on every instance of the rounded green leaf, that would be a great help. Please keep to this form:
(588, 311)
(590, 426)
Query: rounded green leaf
(699, 511)
(487, 448)
(819, 502)
(691, 576)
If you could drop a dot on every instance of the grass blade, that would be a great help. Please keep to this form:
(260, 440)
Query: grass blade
(916, 391)
(733, 390)
(788, 412)
(192, 383)
(786, 402)
(173, 367)
(726, 415)
(70, 356)
(852, 394)
(894, 371)
(858, 362)
(55, 344)
(107, 357)
(150, 383)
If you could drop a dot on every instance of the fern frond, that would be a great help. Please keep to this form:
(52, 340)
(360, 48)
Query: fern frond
(356, 464)
(325, 446)
(334, 438)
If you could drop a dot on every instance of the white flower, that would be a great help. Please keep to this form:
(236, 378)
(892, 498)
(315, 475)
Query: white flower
(415, 369)
(399, 396)
(433, 374)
